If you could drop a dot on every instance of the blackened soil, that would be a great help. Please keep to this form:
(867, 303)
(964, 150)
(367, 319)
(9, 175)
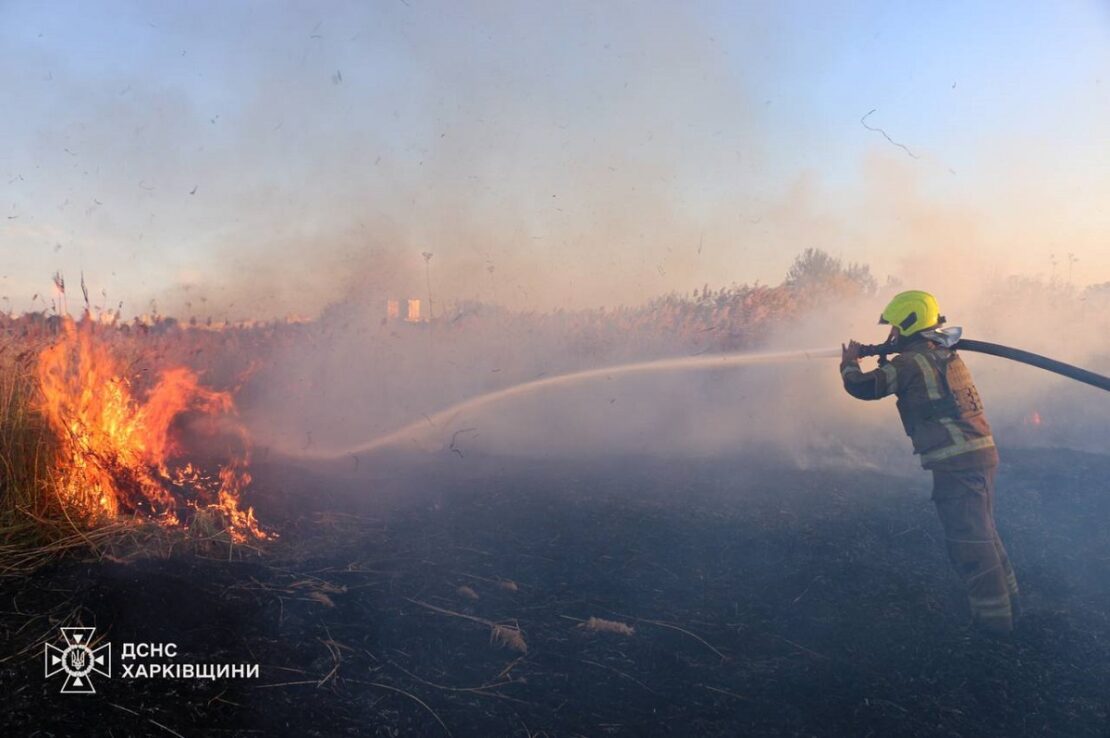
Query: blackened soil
(765, 601)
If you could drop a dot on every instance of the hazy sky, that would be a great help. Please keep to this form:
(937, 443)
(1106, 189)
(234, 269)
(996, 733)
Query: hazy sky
(253, 159)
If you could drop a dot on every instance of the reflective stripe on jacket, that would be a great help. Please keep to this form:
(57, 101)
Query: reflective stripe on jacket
(937, 401)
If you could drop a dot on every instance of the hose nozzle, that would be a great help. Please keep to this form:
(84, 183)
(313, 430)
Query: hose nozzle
(946, 337)
(877, 349)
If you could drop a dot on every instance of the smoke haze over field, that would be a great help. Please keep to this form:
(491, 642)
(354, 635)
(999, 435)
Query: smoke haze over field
(258, 159)
(365, 378)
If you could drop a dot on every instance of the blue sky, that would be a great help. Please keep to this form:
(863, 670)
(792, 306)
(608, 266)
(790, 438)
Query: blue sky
(589, 153)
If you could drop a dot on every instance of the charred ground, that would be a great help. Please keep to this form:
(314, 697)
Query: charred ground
(766, 600)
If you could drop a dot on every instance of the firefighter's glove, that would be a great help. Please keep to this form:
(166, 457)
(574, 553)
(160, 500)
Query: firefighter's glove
(849, 354)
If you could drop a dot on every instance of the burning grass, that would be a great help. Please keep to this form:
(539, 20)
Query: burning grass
(107, 447)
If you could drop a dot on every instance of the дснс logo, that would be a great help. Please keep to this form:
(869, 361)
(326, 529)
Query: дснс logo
(78, 660)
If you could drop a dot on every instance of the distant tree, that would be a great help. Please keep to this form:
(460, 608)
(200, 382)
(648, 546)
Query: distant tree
(812, 266)
(815, 269)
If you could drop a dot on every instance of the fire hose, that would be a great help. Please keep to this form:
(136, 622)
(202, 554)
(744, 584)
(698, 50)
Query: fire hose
(947, 337)
(952, 338)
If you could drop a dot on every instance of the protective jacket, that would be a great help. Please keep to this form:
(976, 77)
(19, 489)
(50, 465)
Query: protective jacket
(939, 405)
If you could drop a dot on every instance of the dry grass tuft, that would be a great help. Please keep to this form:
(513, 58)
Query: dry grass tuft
(508, 636)
(322, 598)
(599, 625)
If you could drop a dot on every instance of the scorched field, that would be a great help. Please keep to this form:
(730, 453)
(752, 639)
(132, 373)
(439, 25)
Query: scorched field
(727, 596)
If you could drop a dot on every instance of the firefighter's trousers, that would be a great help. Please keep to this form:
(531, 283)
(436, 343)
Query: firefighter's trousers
(965, 503)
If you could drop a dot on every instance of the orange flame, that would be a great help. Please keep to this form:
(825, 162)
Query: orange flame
(121, 455)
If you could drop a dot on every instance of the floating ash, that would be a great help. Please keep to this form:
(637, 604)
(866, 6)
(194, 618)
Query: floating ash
(125, 443)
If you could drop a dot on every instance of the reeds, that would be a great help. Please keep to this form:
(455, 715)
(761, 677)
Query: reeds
(29, 511)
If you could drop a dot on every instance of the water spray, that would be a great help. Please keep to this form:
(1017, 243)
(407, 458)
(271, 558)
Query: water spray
(441, 419)
(947, 337)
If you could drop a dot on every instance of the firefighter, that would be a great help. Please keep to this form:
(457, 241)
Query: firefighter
(943, 416)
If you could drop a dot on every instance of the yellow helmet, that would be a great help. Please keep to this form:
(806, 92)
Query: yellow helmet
(911, 312)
